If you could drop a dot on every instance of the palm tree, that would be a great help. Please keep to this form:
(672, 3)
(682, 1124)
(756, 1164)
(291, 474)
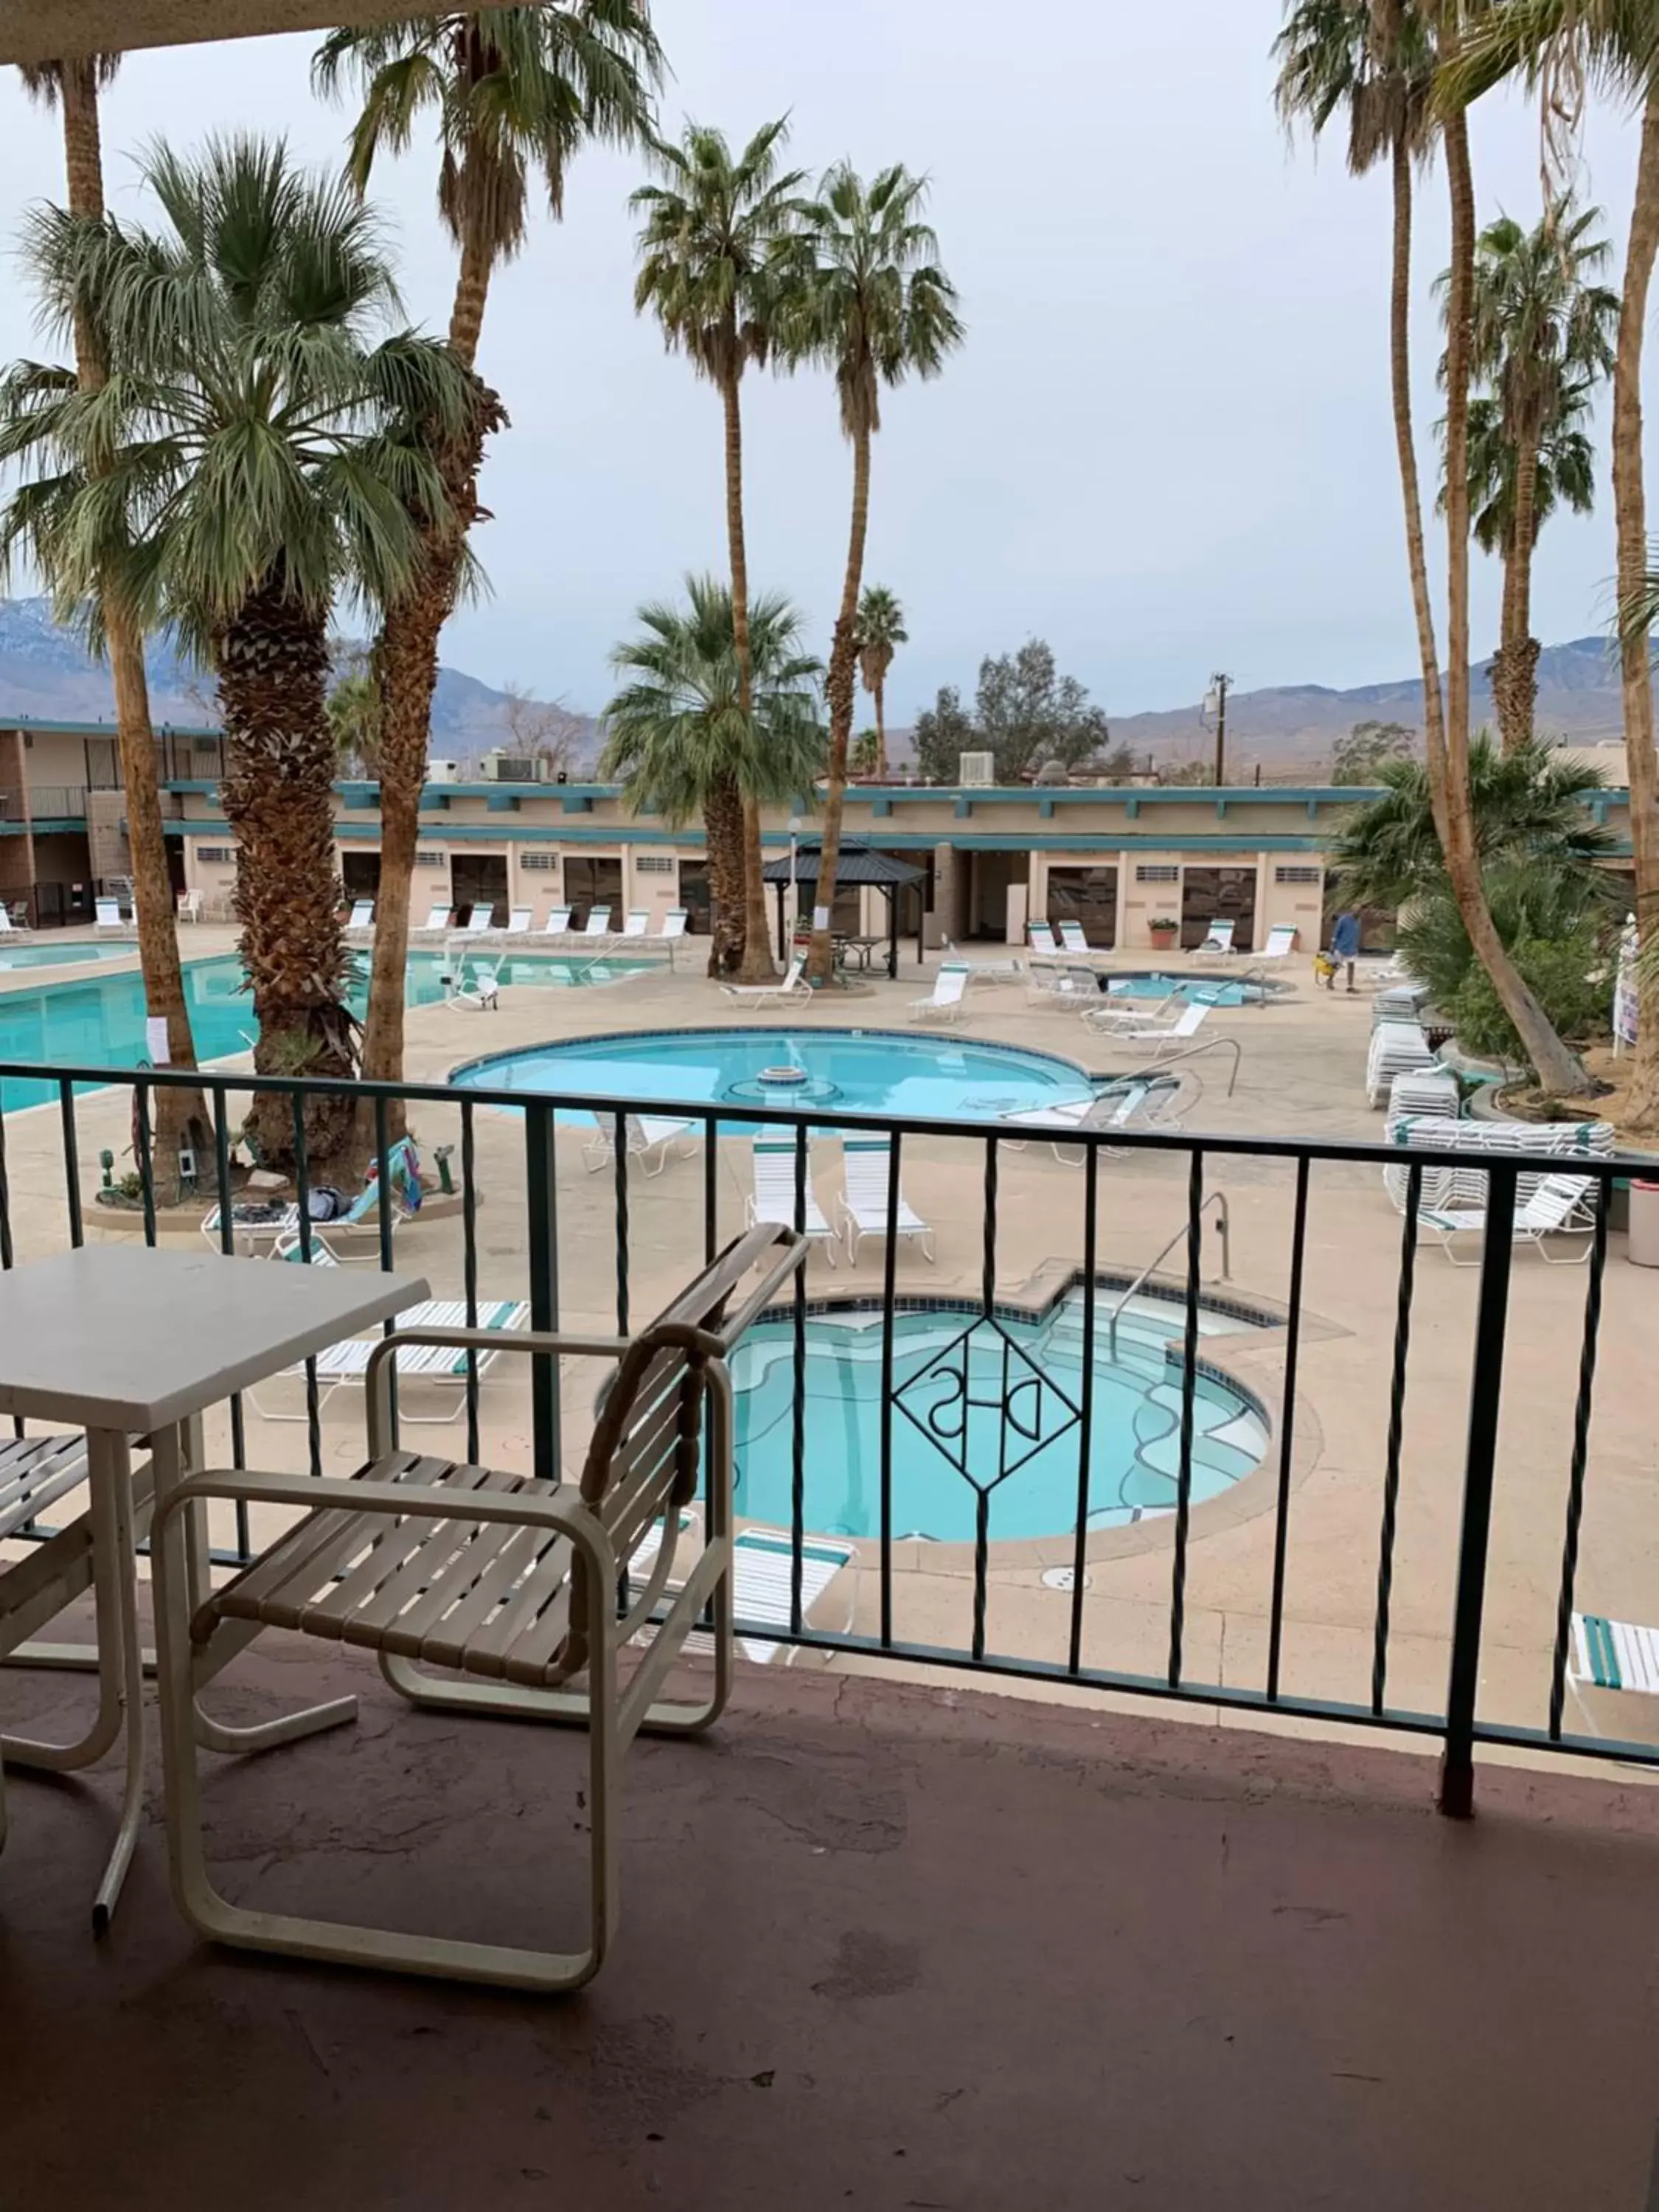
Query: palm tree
(353, 714)
(250, 462)
(1541, 337)
(1373, 61)
(708, 255)
(513, 90)
(879, 634)
(868, 299)
(1557, 46)
(73, 87)
(684, 740)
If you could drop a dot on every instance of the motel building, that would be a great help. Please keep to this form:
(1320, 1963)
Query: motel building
(1141, 868)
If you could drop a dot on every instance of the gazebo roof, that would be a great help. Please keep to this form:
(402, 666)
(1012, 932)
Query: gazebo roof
(858, 864)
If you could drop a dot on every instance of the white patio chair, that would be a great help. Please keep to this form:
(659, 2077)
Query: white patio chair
(1151, 1100)
(517, 923)
(1560, 1206)
(360, 922)
(1219, 942)
(597, 927)
(190, 906)
(1075, 946)
(792, 985)
(1613, 1654)
(507, 1582)
(1009, 969)
(1395, 1048)
(1281, 942)
(647, 1134)
(435, 925)
(1042, 940)
(1163, 1037)
(1061, 986)
(636, 928)
(673, 925)
(107, 918)
(863, 1201)
(483, 995)
(773, 1197)
(476, 923)
(944, 1003)
(557, 923)
(1118, 1009)
(9, 925)
(344, 1366)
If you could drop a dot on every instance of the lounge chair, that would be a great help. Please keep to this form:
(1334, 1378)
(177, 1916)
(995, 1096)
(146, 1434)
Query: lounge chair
(1427, 1090)
(1396, 1048)
(1219, 943)
(950, 989)
(762, 1575)
(597, 927)
(1558, 1206)
(773, 1198)
(1064, 986)
(1010, 969)
(476, 923)
(1118, 1009)
(792, 985)
(483, 995)
(636, 929)
(673, 927)
(1075, 946)
(10, 925)
(509, 1583)
(1161, 1035)
(1042, 940)
(344, 1366)
(557, 923)
(278, 1225)
(1613, 1654)
(647, 1134)
(1281, 942)
(435, 925)
(107, 918)
(1116, 1106)
(517, 923)
(190, 906)
(360, 922)
(863, 1201)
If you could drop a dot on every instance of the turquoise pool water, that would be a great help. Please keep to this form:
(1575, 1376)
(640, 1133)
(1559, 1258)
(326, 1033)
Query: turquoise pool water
(860, 1071)
(99, 1021)
(70, 953)
(948, 1416)
(1205, 990)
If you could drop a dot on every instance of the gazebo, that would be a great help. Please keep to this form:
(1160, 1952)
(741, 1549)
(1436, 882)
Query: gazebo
(857, 865)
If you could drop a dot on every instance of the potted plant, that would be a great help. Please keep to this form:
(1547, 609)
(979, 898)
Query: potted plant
(1164, 929)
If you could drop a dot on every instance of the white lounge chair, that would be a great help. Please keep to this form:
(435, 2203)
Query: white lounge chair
(773, 1198)
(1063, 987)
(557, 923)
(344, 1366)
(190, 906)
(1075, 946)
(1395, 1048)
(1426, 1091)
(107, 918)
(1281, 942)
(360, 922)
(1043, 942)
(863, 1201)
(1162, 1035)
(478, 921)
(517, 923)
(1118, 1008)
(647, 1134)
(762, 1576)
(10, 925)
(1114, 1108)
(483, 995)
(1558, 1206)
(950, 989)
(636, 928)
(673, 925)
(792, 985)
(1217, 942)
(1613, 1654)
(597, 927)
(435, 925)
(1009, 969)
(509, 1583)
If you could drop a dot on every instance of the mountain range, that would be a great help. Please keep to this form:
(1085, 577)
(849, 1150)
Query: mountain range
(46, 675)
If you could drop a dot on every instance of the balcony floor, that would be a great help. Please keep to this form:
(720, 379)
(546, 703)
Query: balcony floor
(881, 1945)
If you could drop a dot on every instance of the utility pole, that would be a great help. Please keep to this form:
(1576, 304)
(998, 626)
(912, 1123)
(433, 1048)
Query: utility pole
(1215, 702)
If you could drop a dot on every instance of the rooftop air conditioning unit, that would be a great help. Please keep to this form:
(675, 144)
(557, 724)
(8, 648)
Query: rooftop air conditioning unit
(498, 767)
(446, 771)
(976, 768)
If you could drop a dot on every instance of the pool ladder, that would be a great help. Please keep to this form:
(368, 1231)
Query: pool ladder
(1223, 1224)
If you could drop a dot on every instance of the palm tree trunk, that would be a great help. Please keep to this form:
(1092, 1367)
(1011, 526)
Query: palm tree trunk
(179, 1114)
(279, 799)
(755, 955)
(723, 825)
(881, 726)
(1629, 510)
(838, 687)
(1520, 649)
(1399, 366)
(466, 312)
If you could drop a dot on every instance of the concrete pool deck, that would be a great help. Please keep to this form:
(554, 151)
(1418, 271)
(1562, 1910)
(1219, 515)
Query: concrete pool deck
(1300, 1077)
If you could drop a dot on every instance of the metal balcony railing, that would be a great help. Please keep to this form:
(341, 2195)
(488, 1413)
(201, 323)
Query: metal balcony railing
(565, 1261)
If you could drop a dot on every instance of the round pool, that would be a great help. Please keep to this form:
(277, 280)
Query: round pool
(991, 1407)
(853, 1071)
(1196, 990)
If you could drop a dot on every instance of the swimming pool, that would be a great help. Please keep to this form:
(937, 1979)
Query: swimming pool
(99, 1021)
(971, 1398)
(71, 952)
(856, 1071)
(1197, 990)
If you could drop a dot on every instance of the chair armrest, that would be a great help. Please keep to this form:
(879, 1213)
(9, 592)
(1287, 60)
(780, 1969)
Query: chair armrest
(562, 1512)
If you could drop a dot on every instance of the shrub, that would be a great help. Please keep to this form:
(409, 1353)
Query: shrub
(1559, 970)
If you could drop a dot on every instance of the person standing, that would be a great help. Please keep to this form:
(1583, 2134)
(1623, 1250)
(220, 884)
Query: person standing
(1345, 948)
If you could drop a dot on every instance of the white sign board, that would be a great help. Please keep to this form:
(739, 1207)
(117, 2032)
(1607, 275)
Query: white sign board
(1624, 990)
(155, 1040)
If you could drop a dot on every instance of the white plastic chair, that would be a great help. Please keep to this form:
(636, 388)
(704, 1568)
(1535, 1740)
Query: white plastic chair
(1281, 942)
(360, 922)
(673, 925)
(636, 927)
(773, 1198)
(10, 925)
(557, 923)
(517, 923)
(344, 1366)
(598, 925)
(478, 921)
(107, 918)
(1219, 943)
(864, 1199)
(190, 906)
(1042, 939)
(949, 990)
(435, 925)
(792, 985)
(1558, 1206)
(1162, 1037)
(648, 1134)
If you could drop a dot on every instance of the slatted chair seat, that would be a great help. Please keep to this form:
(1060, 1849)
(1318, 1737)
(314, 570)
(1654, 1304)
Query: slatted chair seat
(35, 1472)
(504, 1579)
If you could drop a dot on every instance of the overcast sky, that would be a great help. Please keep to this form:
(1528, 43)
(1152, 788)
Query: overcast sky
(1165, 446)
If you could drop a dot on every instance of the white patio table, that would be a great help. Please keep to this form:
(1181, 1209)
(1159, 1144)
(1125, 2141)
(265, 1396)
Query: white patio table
(124, 1342)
